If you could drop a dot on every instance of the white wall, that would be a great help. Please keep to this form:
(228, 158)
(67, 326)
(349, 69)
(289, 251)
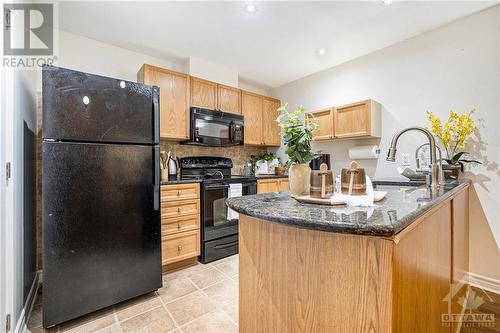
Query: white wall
(454, 67)
(213, 72)
(88, 55)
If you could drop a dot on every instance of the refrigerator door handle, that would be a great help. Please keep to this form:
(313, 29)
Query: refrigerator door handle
(156, 180)
(156, 115)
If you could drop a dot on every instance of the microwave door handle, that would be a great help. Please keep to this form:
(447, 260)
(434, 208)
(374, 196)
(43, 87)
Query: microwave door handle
(231, 131)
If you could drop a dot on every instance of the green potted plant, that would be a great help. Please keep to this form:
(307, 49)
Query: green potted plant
(297, 136)
(453, 135)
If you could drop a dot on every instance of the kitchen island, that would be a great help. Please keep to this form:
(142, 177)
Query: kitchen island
(388, 268)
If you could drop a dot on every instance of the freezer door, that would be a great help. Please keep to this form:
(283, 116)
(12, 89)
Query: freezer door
(100, 226)
(91, 108)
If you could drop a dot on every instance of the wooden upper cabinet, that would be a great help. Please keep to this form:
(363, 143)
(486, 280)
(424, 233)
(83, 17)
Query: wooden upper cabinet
(228, 99)
(251, 108)
(203, 93)
(357, 120)
(271, 135)
(324, 120)
(174, 100)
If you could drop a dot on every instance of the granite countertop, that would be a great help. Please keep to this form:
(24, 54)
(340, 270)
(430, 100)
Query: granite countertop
(270, 176)
(401, 206)
(180, 181)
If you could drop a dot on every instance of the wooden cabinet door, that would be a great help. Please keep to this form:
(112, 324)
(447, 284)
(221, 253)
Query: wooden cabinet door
(251, 108)
(174, 100)
(267, 185)
(352, 120)
(284, 185)
(203, 93)
(228, 99)
(271, 135)
(324, 120)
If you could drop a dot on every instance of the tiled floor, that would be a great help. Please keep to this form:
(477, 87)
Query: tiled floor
(203, 298)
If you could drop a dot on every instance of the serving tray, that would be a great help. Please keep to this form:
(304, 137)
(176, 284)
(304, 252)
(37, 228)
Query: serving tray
(333, 201)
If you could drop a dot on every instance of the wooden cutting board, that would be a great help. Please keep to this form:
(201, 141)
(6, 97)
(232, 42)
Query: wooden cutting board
(377, 196)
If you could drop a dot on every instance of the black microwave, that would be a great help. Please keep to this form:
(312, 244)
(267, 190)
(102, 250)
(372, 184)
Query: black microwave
(214, 128)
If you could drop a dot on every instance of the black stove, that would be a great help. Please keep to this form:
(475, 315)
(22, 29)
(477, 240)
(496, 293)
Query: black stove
(219, 226)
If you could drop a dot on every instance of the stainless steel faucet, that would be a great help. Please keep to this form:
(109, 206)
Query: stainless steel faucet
(435, 167)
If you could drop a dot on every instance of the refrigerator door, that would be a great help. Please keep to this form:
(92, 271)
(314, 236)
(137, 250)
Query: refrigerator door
(101, 226)
(91, 108)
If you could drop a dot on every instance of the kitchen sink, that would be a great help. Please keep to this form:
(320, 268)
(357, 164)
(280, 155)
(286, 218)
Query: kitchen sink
(400, 183)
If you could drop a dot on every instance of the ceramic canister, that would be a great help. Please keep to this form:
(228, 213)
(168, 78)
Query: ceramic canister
(353, 180)
(321, 182)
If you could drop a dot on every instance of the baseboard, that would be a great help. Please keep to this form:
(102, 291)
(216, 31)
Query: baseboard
(22, 323)
(484, 282)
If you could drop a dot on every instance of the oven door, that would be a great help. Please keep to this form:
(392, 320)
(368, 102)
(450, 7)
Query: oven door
(215, 221)
(215, 213)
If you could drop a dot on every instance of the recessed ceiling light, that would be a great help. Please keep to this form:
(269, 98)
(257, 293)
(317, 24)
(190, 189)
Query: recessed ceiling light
(250, 8)
(321, 51)
(387, 2)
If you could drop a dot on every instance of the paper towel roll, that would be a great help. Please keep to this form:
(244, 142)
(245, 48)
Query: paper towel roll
(364, 152)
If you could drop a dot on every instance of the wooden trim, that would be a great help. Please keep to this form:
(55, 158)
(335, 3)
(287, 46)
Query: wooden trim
(147, 67)
(183, 264)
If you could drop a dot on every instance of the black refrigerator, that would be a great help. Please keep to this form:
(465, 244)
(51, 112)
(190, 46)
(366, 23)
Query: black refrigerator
(100, 192)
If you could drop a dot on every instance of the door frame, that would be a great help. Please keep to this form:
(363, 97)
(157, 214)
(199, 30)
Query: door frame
(7, 283)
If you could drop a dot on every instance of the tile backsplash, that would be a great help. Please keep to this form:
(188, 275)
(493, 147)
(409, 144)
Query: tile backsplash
(238, 154)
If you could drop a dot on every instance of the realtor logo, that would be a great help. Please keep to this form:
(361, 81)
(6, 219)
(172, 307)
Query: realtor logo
(28, 29)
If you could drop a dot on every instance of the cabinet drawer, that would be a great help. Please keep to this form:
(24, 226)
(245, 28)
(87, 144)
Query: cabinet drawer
(180, 208)
(176, 225)
(180, 246)
(180, 192)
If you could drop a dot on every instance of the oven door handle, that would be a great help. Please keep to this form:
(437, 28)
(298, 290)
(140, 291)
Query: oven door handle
(214, 187)
(223, 246)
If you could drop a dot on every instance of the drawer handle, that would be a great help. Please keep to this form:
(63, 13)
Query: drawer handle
(179, 248)
(178, 193)
(179, 225)
(178, 209)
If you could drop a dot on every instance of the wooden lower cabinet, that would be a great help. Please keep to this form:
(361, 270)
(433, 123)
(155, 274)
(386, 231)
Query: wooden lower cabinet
(180, 224)
(272, 185)
(180, 246)
(301, 280)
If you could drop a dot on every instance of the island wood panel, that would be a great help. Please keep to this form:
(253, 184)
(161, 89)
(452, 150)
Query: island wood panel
(228, 99)
(422, 272)
(460, 251)
(271, 131)
(251, 108)
(174, 100)
(203, 93)
(297, 280)
(324, 120)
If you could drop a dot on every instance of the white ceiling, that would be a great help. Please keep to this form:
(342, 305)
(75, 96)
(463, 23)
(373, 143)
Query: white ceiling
(271, 47)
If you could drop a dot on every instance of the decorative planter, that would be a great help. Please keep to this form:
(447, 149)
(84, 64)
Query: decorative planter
(453, 172)
(280, 171)
(299, 177)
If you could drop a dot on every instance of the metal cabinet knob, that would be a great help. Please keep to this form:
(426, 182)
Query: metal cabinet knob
(179, 248)
(178, 193)
(179, 225)
(178, 209)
